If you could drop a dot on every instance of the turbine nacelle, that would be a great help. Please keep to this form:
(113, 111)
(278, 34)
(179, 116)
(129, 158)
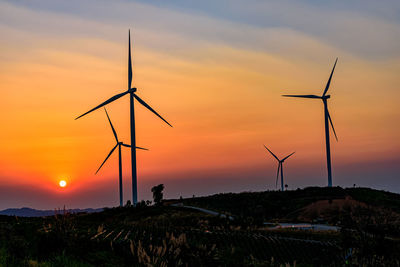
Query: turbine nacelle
(132, 90)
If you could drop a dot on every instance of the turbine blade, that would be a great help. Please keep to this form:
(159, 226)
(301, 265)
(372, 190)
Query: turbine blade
(112, 127)
(272, 153)
(109, 154)
(149, 108)
(129, 64)
(288, 156)
(104, 103)
(277, 175)
(330, 78)
(333, 128)
(303, 96)
(138, 147)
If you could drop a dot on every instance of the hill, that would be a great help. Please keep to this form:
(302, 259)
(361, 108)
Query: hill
(312, 204)
(28, 212)
(177, 236)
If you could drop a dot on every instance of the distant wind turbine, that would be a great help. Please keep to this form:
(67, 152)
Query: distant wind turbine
(131, 91)
(119, 144)
(280, 167)
(327, 117)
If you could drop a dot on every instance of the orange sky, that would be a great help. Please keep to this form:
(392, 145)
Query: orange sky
(222, 93)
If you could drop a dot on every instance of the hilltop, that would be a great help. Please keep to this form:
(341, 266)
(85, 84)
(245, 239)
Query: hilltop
(175, 235)
(310, 204)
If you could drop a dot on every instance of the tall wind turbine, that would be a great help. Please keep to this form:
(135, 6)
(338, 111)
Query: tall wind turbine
(131, 91)
(280, 166)
(119, 145)
(327, 118)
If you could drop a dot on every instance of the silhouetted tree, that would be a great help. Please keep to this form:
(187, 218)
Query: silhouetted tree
(157, 194)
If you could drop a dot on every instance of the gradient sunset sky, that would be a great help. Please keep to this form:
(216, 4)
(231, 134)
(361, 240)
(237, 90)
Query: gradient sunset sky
(216, 70)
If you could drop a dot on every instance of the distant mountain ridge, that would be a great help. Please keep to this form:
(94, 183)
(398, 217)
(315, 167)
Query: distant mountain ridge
(28, 212)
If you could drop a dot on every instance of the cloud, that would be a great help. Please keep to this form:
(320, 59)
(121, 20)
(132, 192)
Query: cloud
(353, 28)
(264, 26)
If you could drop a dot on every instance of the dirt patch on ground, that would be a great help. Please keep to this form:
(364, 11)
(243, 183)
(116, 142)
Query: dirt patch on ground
(327, 210)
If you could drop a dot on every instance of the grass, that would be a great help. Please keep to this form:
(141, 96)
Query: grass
(173, 236)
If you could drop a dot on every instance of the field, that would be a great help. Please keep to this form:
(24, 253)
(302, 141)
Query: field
(169, 235)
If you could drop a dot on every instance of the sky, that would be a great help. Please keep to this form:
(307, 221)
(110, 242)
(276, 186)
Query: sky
(216, 71)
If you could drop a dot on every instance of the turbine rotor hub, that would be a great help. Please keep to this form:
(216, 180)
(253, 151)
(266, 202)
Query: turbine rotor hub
(132, 90)
(326, 97)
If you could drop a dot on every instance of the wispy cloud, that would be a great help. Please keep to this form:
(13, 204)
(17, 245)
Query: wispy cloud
(363, 29)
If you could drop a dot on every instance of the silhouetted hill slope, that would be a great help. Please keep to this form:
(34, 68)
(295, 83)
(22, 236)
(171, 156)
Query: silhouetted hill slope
(177, 236)
(28, 212)
(153, 236)
(288, 205)
(376, 197)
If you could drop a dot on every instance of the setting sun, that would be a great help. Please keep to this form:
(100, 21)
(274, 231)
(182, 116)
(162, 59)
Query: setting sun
(63, 183)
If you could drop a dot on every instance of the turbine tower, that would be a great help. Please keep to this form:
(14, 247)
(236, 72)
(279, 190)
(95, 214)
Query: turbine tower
(327, 118)
(131, 91)
(280, 167)
(119, 145)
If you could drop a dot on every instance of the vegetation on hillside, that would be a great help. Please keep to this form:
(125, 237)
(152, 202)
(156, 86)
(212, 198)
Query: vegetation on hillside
(312, 204)
(163, 235)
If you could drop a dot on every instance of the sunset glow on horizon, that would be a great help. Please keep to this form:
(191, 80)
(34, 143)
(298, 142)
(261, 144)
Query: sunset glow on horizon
(217, 75)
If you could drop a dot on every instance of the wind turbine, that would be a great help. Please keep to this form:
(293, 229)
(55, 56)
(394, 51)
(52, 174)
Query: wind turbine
(327, 118)
(119, 145)
(280, 166)
(131, 91)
